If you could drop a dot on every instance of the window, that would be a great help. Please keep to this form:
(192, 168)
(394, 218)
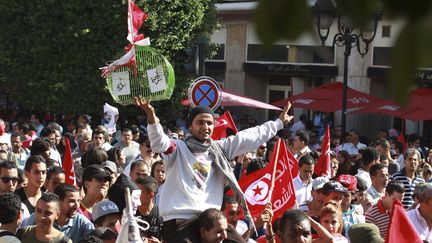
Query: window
(291, 54)
(386, 30)
(381, 56)
(275, 53)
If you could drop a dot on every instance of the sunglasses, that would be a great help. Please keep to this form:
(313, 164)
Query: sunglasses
(7, 179)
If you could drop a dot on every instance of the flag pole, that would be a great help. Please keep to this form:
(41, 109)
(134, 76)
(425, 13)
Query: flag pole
(269, 198)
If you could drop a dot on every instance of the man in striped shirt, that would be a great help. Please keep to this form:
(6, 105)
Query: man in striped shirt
(378, 214)
(408, 175)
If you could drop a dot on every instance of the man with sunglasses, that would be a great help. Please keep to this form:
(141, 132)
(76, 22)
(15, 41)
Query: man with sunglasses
(9, 182)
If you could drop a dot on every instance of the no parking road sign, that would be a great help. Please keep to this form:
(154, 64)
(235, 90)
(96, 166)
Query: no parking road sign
(205, 91)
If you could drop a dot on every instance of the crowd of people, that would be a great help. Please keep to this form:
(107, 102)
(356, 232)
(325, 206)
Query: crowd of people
(183, 176)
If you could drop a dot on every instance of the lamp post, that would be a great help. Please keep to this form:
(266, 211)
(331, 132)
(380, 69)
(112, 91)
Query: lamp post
(347, 35)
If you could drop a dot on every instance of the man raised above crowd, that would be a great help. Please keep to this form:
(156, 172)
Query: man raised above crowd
(198, 166)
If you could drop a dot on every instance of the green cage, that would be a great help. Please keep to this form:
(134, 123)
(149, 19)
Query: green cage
(152, 78)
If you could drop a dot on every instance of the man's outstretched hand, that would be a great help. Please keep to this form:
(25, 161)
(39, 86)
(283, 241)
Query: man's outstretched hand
(148, 108)
(285, 118)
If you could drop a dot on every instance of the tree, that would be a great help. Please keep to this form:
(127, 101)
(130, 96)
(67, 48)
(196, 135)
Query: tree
(281, 19)
(51, 51)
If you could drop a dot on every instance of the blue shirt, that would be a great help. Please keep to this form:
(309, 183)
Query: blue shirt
(77, 228)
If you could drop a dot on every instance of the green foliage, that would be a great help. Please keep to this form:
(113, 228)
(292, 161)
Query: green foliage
(288, 19)
(51, 51)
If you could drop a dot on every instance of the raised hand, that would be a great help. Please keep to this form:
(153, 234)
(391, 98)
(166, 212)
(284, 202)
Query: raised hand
(148, 108)
(285, 118)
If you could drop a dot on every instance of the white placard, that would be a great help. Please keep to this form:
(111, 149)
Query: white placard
(121, 83)
(156, 79)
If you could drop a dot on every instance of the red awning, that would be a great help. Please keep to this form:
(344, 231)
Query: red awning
(328, 98)
(419, 106)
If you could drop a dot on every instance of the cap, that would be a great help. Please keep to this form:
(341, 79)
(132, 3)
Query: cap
(4, 139)
(95, 171)
(348, 181)
(319, 182)
(110, 166)
(333, 186)
(196, 111)
(364, 232)
(103, 208)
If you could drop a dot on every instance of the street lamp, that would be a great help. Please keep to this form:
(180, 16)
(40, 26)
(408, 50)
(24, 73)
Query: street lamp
(347, 35)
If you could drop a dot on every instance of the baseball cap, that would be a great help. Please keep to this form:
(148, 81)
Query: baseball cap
(103, 208)
(110, 166)
(95, 171)
(319, 182)
(333, 186)
(348, 181)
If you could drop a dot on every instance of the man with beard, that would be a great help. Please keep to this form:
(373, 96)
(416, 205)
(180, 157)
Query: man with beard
(74, 225)
(198, 166)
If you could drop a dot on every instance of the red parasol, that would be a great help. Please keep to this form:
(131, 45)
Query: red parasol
(419, 106)
(328, 98)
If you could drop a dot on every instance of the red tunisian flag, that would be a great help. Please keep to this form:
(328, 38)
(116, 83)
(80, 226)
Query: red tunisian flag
(68, 165)
(136, 18)
(323, 165)
(400, 228)
(221, 124)
(273, 183)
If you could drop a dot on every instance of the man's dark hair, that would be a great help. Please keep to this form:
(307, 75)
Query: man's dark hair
(86, 118)
(355, 132)
(207, 218)
(10, 204)
(229, 200)
(97, 132)
(413, 137)
(306, 160)
(55, 125)
(399, 146)
(50, 197)
(362, 184)
(368, 155)
(34, 159)
(375, 168)
(8, 165)
(303, 136)
(39, 146)
(47, 131)
(136, 163)
(395, 186)
(54, 170)
(62, 188)
(149, 183)
(384, 144)
(24, 126)
(256, 164)
(126, 130)
(91, 239)
(15, 135)
(143, 138)
(296, 216)
(94, 156)
(134, 129)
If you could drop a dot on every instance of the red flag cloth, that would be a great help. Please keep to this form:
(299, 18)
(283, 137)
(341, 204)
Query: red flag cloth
(221, 124)
(401, 229)
(401, 139)
(257, 186)
(323, 165)
(68, 165)
(136, 18)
